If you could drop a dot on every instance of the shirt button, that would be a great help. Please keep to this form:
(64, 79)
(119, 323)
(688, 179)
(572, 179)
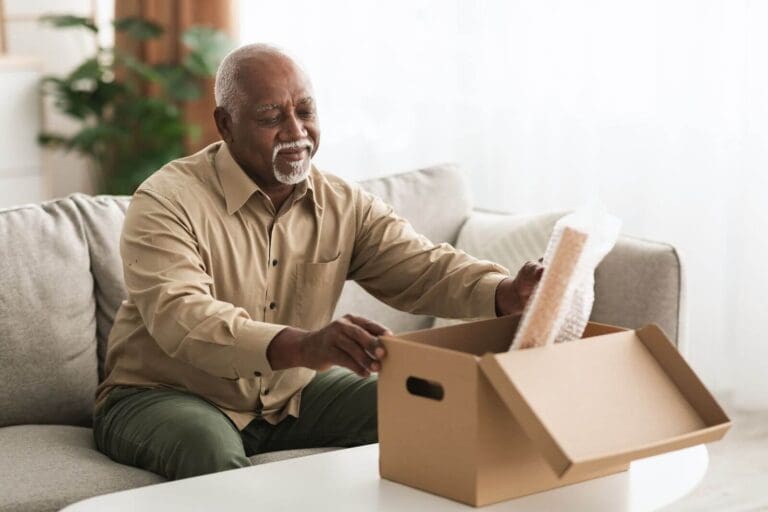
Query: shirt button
(266, 391)
(257, 374)
(274, 263)
(272, 305)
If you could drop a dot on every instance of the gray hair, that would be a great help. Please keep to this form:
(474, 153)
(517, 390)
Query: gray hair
(226, 90)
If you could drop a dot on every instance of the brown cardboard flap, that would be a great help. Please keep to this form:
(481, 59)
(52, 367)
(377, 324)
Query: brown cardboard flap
(597, 329)
(605, 400)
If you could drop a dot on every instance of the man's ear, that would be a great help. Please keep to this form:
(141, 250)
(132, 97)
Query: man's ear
(223, 124)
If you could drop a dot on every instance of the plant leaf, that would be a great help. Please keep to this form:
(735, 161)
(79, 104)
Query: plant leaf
(71, 101)
(127, 133)
(138, 28)
(87, 138)
(52, 139)
(207, 46)
(179, 84)
(88, 70)
(68, 21)
(140, 68)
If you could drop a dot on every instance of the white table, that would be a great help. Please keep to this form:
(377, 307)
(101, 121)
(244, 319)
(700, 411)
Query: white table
(348, 480)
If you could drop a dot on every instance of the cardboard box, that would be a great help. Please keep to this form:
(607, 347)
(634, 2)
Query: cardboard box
(461, 417)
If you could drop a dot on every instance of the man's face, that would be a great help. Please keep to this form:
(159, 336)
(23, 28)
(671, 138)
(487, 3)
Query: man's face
(275, 133)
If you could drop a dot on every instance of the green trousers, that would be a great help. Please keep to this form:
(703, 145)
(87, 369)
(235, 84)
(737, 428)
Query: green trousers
(179, 435)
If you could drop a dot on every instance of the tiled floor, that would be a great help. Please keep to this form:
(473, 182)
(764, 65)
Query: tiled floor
(737, 477)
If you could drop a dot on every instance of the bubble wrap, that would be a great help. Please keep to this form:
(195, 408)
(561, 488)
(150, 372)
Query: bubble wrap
(560, 307)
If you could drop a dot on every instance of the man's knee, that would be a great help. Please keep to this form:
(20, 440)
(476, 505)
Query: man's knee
(171, 433)
(204, 448)
(363, 424)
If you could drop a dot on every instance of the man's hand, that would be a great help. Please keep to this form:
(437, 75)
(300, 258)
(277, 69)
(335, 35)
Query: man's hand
(512, 294)
(349, 341)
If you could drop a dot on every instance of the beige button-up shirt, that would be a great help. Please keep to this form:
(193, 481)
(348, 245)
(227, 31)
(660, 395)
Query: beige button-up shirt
(214, 273)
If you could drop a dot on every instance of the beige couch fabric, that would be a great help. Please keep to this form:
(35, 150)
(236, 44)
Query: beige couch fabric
(46, 467)
(642, 282)
(47, 316)
(102, 218)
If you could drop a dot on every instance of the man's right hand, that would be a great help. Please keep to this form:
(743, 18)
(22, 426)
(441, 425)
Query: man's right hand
(349, 341)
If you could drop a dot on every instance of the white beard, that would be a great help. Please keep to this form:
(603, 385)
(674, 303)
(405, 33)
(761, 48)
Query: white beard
(298, 171)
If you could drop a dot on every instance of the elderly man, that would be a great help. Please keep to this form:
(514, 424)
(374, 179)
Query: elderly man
(234, 259)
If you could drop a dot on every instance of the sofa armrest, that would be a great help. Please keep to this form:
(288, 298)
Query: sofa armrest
(641, 282)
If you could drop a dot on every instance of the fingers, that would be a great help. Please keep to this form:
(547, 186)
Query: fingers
(364, 331)
(363, 361)
(368, 343)
(533, 269)
(533, 265)
(372, 327)
(354, 337)
(342, 358)
(527, 280)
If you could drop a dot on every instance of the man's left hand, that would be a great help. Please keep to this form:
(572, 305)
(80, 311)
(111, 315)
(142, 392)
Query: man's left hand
(512, 294)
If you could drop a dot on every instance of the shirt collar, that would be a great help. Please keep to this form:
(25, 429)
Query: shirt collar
(238, 187)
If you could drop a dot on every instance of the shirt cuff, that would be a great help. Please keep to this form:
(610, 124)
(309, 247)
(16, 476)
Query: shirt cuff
(483, 297)
(251, 349)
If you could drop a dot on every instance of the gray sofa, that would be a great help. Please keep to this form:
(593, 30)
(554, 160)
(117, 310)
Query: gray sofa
(61, 284)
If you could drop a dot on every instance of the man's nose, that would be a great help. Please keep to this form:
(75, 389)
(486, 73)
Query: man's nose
(293, 128)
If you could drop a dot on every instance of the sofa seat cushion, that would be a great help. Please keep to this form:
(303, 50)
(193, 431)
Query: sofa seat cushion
(46, 467)
(264, 458)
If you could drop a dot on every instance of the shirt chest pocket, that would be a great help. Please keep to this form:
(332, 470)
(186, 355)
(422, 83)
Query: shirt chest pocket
(318, 286)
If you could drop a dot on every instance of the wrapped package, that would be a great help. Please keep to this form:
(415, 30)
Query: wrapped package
(560, 307)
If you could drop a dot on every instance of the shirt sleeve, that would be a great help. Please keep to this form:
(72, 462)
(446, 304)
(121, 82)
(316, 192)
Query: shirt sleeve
(167, 281)
(407, 271)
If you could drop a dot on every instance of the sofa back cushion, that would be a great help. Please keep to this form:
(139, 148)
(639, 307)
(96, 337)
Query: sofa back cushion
(437, 202)
(102, 218)
(47, 316)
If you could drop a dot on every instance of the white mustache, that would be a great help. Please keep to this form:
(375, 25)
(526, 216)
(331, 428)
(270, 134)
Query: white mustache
(297, 144)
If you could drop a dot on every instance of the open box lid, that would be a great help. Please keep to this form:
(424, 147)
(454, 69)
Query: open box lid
(604, 401)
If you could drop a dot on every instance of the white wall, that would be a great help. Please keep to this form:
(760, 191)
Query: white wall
(659, 108)
(20, 172)
(59, 51)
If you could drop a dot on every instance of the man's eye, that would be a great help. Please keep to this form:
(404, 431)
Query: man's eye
(306, 115)
(269, 120)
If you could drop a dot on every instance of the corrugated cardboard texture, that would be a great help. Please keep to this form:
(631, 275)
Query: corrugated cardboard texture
(509, 464)
(515, 423)
(683, 376)
(478, 338)
(467, 446)
(426, 443)
(596, 329)
(611, 400)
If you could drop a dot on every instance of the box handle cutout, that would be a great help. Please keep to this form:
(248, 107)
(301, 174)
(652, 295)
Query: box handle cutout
(423, 387)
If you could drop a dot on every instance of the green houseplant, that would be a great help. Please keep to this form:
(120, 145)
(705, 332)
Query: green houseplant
(125, 132)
